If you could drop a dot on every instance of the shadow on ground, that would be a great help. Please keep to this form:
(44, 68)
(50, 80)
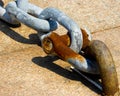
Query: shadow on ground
(5, 28)
(47, 62)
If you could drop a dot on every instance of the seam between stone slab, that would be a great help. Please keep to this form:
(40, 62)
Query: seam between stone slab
(19, 50)
(40, 47)
(103, 30)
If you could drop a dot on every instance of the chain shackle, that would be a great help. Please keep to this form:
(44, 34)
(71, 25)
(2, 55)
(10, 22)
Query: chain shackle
(72, 27)
(51, 42)
(51, 46)
(97, 50)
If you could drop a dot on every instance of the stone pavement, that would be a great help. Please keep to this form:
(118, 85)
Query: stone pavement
(25, 70)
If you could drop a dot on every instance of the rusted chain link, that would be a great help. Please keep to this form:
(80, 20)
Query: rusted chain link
(96, 50)
(50, 46)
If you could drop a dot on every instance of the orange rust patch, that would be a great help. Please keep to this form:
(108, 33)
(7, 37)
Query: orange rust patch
(62, 50)
(86, 41)
(47, 46)
(65, 39)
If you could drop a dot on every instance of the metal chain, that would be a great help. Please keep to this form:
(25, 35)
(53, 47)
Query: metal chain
(73, 28)
(20, 13)
(5, 16)
(38, 24)
(17, 12)
(44, 21)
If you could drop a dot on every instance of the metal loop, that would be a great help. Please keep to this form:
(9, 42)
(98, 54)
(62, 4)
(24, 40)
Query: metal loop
(22, 4)
(1, 3)
(6, 17)
(20, 14)
(38, 24)
(51, 46)
(101, 53)
(31, 8)
(68, 23)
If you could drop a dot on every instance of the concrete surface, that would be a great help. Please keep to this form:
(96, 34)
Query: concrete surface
(25, 70)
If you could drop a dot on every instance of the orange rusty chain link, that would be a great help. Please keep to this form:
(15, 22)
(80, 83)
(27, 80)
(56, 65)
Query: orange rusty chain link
(96, 49)
(52, 44)
(46, 20)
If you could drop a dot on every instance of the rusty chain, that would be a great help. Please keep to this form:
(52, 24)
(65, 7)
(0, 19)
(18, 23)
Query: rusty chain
(68, 46)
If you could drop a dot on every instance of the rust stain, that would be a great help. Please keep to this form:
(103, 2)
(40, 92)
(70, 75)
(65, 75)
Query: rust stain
(59, 47)
(86, 41)
(65, 39)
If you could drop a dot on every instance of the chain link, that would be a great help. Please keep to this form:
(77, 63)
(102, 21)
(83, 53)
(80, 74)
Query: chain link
(44, 21)
(72, 27)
